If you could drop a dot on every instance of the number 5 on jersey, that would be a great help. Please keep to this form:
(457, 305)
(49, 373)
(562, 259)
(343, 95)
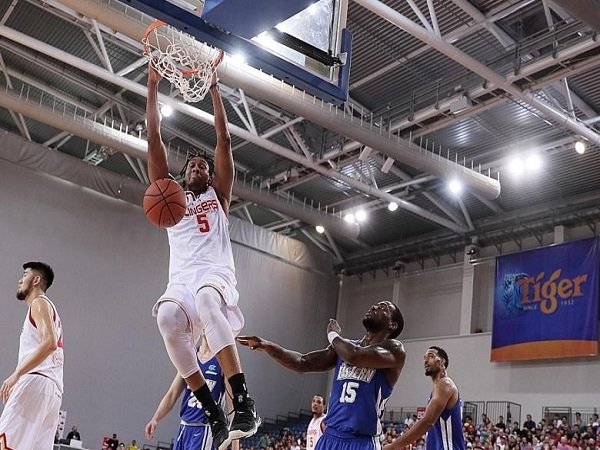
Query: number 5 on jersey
(203, 223)
(349, 392)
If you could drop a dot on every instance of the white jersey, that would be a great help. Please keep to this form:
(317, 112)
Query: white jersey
(314, 432)
(52, 366)
(199, 244)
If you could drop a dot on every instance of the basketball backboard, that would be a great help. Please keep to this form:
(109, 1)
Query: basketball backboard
(303, 42)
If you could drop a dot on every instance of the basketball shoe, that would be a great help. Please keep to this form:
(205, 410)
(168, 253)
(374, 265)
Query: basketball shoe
(219, 430)
(245, 421)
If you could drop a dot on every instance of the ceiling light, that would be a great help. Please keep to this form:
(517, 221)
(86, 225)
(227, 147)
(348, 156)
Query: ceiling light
(166, 110)
(515, 165)
(580, 147)
(361, 215)
(350, 218)
(460, 104)
(239, 58)
(455, 186)
(393, 206)
(534, 162)
(320, 229)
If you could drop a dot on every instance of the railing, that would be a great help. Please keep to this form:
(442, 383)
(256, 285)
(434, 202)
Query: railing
(511, 412)
(550, 413)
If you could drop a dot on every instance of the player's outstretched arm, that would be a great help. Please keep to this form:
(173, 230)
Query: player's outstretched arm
(317, 361)
(442, 393)
(42, 314)
(165, 406)
(224, 170)
(157, 153)
(385, 355)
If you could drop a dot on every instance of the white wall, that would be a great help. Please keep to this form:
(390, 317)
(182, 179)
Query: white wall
(110, 267)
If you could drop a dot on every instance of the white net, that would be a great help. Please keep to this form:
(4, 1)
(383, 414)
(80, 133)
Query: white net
(181, 59)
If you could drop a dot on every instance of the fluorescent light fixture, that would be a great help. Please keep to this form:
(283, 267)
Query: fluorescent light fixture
(239, 58)
(166, 111)
(515, 166)
(320, 229)
(534, 162)
(350, 218)
(460, 104)
(393, 206)
(455, 186)
(361, 215)
(580, 147)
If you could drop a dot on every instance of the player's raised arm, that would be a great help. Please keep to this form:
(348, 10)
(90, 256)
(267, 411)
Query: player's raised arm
(317, 361)
(157, 153)
(224, 170)
(385, 355)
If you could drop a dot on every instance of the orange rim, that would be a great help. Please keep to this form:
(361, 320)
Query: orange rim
(187, 73)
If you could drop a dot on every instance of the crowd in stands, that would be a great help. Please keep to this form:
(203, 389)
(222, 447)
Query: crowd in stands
(556, 434)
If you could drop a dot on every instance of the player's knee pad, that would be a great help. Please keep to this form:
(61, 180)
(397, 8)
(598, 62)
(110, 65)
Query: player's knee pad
(176, 331)
(211, 310)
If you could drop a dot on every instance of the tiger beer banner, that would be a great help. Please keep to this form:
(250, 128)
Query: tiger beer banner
(546, 303)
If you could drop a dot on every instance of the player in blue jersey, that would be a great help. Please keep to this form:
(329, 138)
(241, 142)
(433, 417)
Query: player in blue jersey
(366, 371)
(194, 431)
(443, 415)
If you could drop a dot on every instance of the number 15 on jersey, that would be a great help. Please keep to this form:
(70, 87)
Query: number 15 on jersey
(349, 392)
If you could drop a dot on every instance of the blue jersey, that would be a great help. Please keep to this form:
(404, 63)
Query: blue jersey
(447, 432)
(191, 409)
(358, 397)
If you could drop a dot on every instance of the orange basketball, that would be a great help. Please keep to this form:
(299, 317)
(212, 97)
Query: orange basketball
(164, 203)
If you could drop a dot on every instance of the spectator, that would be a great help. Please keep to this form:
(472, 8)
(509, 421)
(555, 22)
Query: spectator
(133, 445)
(501, 425)
(409, 421)
(113, 442)
(73, 434)
(529, 424)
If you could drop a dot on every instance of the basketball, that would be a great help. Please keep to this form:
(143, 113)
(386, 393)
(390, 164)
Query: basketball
(164, 203)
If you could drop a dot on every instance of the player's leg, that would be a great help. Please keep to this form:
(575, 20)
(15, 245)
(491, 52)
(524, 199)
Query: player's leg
(175, 328)
(23, 413)
(220, 339)
(52, 400)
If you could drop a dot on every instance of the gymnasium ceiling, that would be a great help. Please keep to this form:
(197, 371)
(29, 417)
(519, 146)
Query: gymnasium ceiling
(403, 85)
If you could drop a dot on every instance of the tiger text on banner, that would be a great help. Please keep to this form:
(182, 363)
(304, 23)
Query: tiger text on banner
(546, 303)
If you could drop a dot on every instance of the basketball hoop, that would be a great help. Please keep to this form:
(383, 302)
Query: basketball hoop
(188, 64)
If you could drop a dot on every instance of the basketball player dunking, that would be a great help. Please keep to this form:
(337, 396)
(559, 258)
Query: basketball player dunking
(442, 420)
(365, 374)
(33, 393)
(316, 425)
(201, 299)
(194, 432)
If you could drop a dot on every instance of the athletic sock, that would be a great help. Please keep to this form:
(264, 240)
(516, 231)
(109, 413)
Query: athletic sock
(238, 387)
(208, 403)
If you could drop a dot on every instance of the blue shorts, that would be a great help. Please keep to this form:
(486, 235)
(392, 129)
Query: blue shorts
(330, 442)
(190, 437)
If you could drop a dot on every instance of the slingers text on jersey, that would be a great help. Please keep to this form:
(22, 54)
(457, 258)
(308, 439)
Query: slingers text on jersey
(206, 206)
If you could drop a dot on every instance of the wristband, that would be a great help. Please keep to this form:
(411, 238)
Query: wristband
(332, 335)
(212, 86)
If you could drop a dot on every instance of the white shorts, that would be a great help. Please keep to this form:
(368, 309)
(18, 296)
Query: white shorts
(30, 416)
(184, 296)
